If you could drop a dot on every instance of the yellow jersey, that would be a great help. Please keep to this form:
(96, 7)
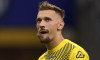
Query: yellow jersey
(66, 50)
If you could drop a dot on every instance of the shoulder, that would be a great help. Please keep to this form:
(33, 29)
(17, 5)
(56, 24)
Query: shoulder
(42, 57)
(78, 53)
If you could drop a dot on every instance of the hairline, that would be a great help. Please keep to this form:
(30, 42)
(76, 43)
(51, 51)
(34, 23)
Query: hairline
(54, 11)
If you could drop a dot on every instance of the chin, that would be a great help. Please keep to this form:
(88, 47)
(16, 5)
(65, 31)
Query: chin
(46, 40)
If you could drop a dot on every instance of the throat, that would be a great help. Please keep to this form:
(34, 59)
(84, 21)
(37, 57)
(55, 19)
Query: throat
(53, 43)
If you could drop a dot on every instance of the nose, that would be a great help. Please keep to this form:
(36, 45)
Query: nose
(42, 24)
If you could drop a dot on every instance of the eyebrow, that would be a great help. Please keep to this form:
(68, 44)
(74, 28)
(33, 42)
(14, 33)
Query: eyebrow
(39, 18)
(47, 18)
(44, 18)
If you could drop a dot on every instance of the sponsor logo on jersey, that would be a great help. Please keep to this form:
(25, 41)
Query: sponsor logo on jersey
(51, 57)
(80, 55)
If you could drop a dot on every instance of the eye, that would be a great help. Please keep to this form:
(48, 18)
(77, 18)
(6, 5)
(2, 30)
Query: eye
(47, 19)
(39, 20)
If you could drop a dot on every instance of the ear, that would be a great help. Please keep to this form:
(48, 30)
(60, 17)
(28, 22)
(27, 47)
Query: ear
(60, 25)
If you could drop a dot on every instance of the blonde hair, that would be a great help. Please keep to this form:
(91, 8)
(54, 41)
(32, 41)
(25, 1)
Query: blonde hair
(47, 6)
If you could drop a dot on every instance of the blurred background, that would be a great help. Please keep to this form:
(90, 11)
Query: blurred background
(18, 39)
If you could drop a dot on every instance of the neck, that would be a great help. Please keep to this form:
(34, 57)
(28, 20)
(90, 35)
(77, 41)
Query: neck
(56, 41)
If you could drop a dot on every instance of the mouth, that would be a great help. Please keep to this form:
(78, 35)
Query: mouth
(43, 32)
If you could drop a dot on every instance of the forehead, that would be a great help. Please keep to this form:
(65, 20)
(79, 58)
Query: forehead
(46, 13)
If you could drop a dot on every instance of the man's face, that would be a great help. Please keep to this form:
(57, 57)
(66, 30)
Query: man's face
(47, 25)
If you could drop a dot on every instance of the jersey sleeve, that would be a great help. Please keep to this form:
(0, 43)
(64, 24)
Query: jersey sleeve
(78, 54)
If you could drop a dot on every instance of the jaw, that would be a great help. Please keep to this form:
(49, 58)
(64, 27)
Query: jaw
(44, 38)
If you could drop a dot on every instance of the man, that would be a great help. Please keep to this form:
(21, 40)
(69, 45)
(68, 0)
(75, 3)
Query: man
(49, 25)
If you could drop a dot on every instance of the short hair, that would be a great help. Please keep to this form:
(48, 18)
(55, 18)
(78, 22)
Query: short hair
(44, 5)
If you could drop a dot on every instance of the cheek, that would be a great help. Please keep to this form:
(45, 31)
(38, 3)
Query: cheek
(52, 31)
(53, 27)
(37, 26)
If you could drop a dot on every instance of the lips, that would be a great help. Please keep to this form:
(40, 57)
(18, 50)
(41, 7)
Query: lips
(43, 32)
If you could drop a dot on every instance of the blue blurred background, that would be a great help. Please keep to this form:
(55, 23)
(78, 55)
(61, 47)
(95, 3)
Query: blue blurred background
(18, 40)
